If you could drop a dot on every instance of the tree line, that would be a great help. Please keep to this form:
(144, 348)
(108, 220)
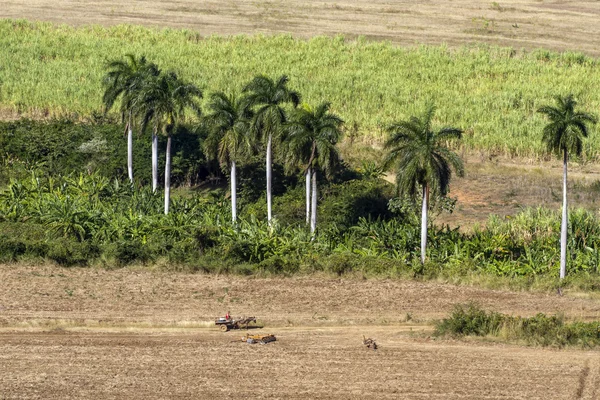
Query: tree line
(267, 113)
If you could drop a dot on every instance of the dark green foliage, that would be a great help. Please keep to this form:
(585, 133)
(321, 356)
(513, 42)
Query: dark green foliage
(541, 330)
(344, 204)
(470, 320)
(70, 253)
(252, 182)
(18, 240)
(82, 218)
(280, 265)
(63, 147)
(129, 251)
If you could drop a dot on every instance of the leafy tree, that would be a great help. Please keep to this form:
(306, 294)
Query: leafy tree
(312, 136)
(421, 158)
(564, 134)
(229, 124)
(124, 79)
(268, 97)
(162, 102)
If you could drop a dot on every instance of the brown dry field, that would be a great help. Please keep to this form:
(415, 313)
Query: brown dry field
(143, 334)
(557, 25)
(505, 186)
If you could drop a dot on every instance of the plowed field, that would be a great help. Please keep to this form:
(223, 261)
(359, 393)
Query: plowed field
(136, 334)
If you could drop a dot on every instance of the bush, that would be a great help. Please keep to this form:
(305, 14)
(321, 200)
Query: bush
(11, 249)
(470, 320)
(21, 239)
(539, 330)
(97, 146)
(345, 203)
(129, 251)
(70, 253)
(279, 265)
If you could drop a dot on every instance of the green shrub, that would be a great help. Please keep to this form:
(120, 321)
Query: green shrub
(129, 251)
(344, 204)
(279, 265)
(541, 330)
(470, 320)
(11, 249)
(69, 253)
(18, 239)
(65, 147)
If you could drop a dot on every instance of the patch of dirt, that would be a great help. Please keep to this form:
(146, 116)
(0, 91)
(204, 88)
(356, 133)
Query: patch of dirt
(504, 187)
(520, 24)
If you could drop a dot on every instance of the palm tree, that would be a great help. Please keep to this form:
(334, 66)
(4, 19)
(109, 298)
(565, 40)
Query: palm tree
(229, 128)
(564, 134)
(163, 101)
(311, 138)
(268, 97)
(124, 80)
(422, 159)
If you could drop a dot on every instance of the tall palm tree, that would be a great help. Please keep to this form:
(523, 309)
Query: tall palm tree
(162, 102)
(124, 79)
(229, 138)
(268, 97)
(312, 135)
(422, 159)
(564, 134)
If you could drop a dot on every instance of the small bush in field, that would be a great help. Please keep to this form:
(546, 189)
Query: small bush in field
(539, 330)
(470, 320)
(70, 253)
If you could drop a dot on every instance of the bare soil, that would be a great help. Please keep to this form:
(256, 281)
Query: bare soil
(91, 333)
(556, 25)
(505, 186)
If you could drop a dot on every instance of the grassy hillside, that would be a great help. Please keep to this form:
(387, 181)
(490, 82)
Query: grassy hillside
(492, 92)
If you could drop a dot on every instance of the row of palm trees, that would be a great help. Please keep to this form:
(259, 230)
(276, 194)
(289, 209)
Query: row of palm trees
(266, 114)
(419, 154)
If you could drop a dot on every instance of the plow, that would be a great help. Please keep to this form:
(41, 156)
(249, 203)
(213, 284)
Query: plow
(262, 339)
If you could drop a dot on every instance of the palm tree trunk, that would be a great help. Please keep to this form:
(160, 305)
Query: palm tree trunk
(154, 160)
(233, 192)
(168, 175)
(313, 211)
(308, 174)
(565, 221)
(130, 149)
(424, 223)
(269, 177)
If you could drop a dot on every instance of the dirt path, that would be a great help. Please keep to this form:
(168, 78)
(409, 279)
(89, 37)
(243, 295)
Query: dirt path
(87, 333)
(564, 25)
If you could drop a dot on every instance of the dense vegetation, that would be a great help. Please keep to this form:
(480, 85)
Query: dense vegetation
(62, 202)
(64, 195)
(49, 70)
(541, 330)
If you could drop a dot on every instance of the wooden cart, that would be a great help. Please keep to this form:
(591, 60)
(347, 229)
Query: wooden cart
(230, 323)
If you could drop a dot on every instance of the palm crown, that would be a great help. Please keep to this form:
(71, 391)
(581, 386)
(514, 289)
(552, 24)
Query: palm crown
(268, 96)
(229, 125)
(125, 78)
(312, 135)
(164, 99)
(567, 127)
(420, 155)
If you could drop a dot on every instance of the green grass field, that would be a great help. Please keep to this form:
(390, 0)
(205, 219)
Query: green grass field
(491, 92)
